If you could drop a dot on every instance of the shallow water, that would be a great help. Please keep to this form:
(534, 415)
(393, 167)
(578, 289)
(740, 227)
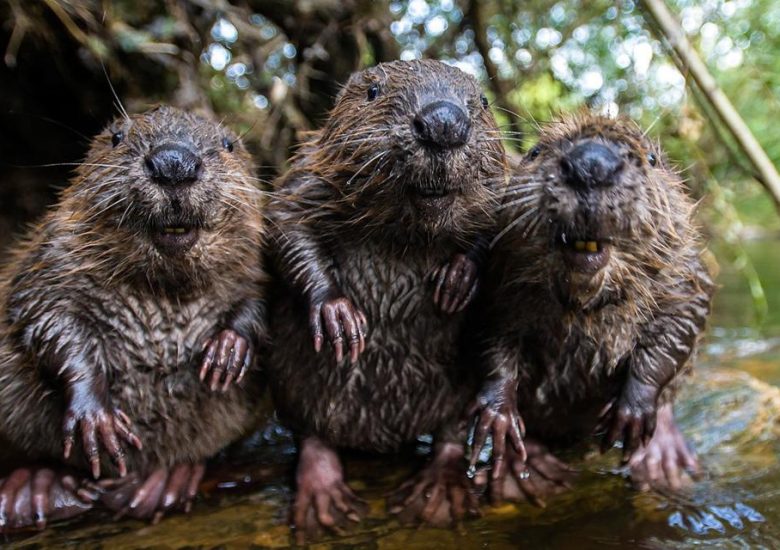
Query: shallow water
(730, 412)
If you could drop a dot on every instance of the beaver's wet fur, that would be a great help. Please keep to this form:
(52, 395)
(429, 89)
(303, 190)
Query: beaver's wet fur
(152, 253)
(400, 179)
(595, 297)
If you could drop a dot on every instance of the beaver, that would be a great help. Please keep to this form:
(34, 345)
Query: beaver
(401, 178)
(144, 279)
(594, 300)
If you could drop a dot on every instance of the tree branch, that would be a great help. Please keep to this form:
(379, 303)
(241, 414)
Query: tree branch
(689, 62)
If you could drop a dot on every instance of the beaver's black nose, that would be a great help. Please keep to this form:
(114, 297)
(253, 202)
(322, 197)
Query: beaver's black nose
(441, 124)
(590, 165)
(171, 164)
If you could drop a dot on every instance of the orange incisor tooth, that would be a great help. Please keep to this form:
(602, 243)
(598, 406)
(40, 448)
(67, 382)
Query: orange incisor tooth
(579, 245)
(592, 246)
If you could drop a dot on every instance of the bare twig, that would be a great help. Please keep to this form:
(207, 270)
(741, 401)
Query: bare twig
(690, 62)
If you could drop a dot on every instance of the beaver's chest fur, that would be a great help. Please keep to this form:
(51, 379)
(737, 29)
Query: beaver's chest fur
(152, 348)
(156, 350)
(406, 383)
(571, 363)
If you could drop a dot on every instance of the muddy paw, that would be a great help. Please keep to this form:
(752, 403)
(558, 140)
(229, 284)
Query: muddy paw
(537, 478)
(163, 491)
(440, 494)
(99, 427)
(666, 462)
(455, 284)
(34, 496)
(227, 356)
(323, 502)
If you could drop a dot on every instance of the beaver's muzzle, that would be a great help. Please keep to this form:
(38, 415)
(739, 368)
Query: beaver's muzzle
(441, 124)
(171, 164)
(591, 165)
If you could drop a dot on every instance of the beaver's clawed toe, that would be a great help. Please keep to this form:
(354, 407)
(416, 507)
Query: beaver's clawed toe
(455, 284)
(227, 356)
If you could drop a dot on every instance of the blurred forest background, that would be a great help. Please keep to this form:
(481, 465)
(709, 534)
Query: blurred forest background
(272, 67)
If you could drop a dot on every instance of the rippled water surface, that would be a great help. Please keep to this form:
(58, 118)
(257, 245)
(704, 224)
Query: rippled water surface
(730, 413)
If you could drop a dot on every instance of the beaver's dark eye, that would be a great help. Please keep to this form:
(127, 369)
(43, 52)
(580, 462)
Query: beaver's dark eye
(534, 152)
(227, 144)
(373, 92)
(484, 101)
(117, 137)
(652, 159)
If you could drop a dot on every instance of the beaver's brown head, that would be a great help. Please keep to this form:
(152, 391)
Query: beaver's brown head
(411, 144)
(596, 210)
(168, 193)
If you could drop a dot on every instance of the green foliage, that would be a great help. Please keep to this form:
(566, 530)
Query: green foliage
(261, 71)
(542, 98)
(608, 57)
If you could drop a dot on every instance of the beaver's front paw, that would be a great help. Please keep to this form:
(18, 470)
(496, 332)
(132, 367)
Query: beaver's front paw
(631, 418)
(496, 407)
(99, 426)
(228, 356)
(440, 494)
(456, 283)
(341, 321)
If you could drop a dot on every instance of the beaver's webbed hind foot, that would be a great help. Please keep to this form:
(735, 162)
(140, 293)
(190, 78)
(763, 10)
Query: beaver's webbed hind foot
(666, 462)
(34, 496)
(537, 478)
(323, 501)
(441, 494)
(164, 490)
